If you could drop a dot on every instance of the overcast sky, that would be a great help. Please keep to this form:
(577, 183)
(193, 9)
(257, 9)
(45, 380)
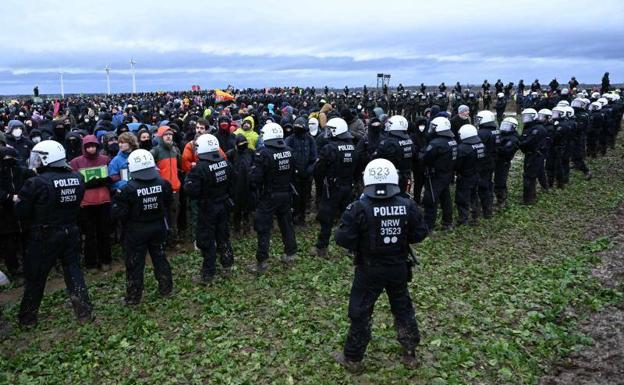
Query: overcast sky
(335, 42)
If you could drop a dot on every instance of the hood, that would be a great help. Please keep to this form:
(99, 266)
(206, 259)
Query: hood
(326, 108)
(89, 139)
(15, 124)
(250, 120)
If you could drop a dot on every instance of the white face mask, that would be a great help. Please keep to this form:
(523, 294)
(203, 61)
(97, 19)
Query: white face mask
(421, 128)
(17, 133)
(86, 120)
(36, 139)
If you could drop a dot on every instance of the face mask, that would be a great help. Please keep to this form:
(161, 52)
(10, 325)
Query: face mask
(113, 148)
(145, 144)
(421, 128)
(36, 139)
(17, 133)
(224, 126)
(67, 127)
(299, 131)
(86, 120)
(242, 147)
(9, 162)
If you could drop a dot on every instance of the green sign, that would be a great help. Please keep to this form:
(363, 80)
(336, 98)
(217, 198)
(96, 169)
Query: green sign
(94, 172)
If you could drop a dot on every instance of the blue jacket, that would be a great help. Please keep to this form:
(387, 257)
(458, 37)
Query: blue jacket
(115, 167)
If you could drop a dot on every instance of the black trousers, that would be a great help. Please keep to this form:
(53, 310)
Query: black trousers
(278, 204)
(577, 153)
(303, 185)
(437, 192)
(44, 248)
(139, 239)
(501, 174)
(213, 235)
(533, 169)
(368, 284)
(9, 247)
(466, 197)
(95, 224)
(486, 191)
(330, 207)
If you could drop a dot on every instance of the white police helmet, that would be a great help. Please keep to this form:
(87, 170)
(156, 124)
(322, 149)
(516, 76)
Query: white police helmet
(467, 131)
(141, 165)
(397, 123)
(558, 112)
(337, 126)
(272, 131)
(381, 179)
(529, 115)
(48, 153)
(544, 114)
(207, 146)
(441, 126)
(509, 125)
(485, 117)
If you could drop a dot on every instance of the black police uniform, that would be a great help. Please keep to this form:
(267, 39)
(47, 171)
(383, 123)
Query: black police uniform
(596, 121)
(470, 158)
(578, 141)
(532, 143)
(379, 231)
(50, 201)
(439, 159)
(505, 152)
(271, 178)
(210, 182)
(142, 207)
(490, 136)
(398, 147)
(557, 157)
(336, 165)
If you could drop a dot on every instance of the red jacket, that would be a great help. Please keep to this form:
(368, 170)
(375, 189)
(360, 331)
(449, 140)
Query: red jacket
(98, 195)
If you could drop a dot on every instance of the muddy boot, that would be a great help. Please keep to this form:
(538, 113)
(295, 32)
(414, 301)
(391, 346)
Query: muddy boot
(203, 280)
(227, 272)
(288, 259)
(355, 367)
(321, 252)
(588, 175)
(259, 268)
(409, 360)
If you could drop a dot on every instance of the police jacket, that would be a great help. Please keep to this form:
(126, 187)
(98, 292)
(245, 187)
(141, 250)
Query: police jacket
(381, 230)
(52, 198)
(440, 155)
(509, 142)
(337, 161)
(490, 136)
(533, 138)
(397, 147)
(273, 168)
(210, 181)
(470, 157)
(143, 201)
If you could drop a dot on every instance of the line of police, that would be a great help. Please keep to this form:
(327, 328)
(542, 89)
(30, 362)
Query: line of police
(378, 227)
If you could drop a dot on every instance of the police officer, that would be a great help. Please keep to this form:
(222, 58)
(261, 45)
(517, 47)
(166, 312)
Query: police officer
(141, 206)
(504, 154)
(578, 137)
(210, 182)
(532, 143)
(556, 168)
(398, 148)
(470, 157)
(378, 228)
(271, 180)
(439, 160)
(50, 202)
(336, 165)
(490, 136)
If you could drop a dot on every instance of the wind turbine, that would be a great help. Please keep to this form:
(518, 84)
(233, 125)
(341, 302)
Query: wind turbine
(132, 64)
(62, 85)
(107, 69)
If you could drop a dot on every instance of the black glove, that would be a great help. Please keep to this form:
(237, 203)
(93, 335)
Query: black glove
(98, 182)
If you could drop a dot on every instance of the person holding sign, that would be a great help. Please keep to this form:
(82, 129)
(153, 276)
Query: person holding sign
(95, 223)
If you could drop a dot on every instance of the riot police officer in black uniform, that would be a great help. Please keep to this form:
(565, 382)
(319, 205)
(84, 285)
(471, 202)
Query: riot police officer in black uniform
(439, 160)
(210, 182)
(470, 157)
(336, 165)
(271, 180)
(490, 136)
(504, 154)
(532, 143)
(142, 207)
(398, 147)
(378, 228)
(50, 202)
(578, 137)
